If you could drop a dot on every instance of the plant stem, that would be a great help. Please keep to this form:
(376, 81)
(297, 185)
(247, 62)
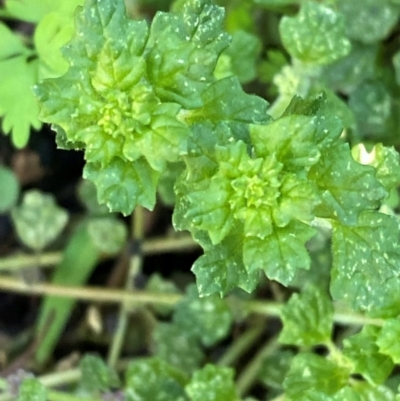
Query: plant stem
(249, 373)
(135, 266)
(111, 296)
(241, 345)
(48, 259)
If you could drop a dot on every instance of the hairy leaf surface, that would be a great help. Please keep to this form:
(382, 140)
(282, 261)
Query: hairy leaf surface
(366, 264)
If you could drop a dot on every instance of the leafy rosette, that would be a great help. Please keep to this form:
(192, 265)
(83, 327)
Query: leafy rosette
(252, 204)
(121, 100)
(259, 195)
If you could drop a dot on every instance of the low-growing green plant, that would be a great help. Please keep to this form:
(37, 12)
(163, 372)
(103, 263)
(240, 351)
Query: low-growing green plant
(299, 190)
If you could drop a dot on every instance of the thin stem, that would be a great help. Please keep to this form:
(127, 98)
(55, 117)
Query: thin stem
(112, 296)
(90, 294)
(240, 346)
(250, 372)
(48, 259)
(135, 266)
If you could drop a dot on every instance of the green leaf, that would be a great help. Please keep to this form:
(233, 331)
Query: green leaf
(167, 182)
(32, 390)
(208, 318)
(177, 347)
(35, 10)
(363, 391)
(345, 187)
(386, 161)
(87, 194)
(316, 35)
(10, 44)
(281, 254)
(371, 104)
(307, 318)
(53, 31)
(275, 367)
(122, 185)
(80, 257)
(312, 377)
(153, 379)
(96, 376)
(363, 351)
(347, 73)
(38, 220)
(18, 107)
(291, 138)
(158, 284)
(184, 51)
(9, 189)
(108, 234)
(366, 264)
(225, 100)
(396, 64)
(388, 339)
(221, 268)
(212, 383)
(240, 58)
(368, 21)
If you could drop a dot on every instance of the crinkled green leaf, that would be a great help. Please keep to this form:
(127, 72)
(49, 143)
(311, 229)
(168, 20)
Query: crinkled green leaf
(307, 318)
(225, 100)
(369, 21)
(177, 347)
(363, 352)
(18, 106)
(291, 138)
(386, 161)
(122, 185)
(281, 254)
(35, 10)
(316, 35)
(212, 383)
(184, 51)
(312, 377)
(38, 220)
(96, 376)
(221, 268)
(107, 105)
(108, 234)
(345, 187)
(275, 367)
(388, 339)
(32, 390)
(167, 182)
(9, 189)
(154, 379)
(240, 57)
(208, 318)
(364, 391)
(366, 264)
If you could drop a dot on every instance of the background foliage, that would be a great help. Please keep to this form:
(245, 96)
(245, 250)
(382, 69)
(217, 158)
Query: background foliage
(270, 128)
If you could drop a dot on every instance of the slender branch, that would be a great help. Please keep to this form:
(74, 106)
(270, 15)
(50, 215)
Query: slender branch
(135, 266)
(249, 373)
(241, 345)
(91, 294)
(48, 259)
(113, 296)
